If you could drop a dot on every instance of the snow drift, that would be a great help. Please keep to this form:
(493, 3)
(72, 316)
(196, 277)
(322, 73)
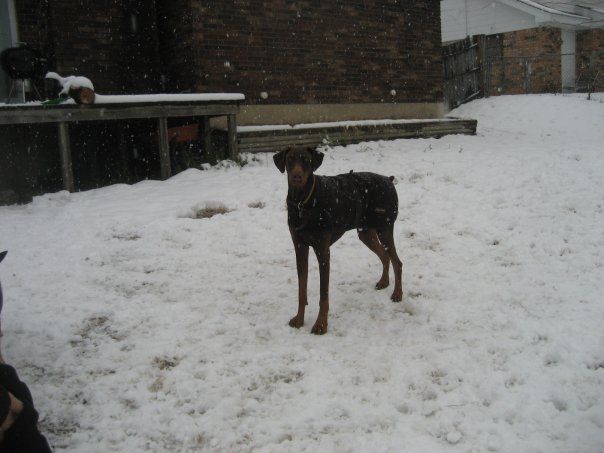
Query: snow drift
(141, 326)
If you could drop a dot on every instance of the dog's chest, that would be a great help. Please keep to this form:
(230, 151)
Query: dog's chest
(339, 203)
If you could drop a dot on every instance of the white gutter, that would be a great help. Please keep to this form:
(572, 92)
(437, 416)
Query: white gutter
(547, 9)
(545, 15)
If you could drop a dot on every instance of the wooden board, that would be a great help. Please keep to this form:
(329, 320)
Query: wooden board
(274, 140)
(106, 112)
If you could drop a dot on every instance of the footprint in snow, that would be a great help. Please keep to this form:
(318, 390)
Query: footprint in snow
(257, 205)
(165, 363)
(207, 210)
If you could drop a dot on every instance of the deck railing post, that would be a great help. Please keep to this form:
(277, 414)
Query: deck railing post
(66, 162)
(232, 126)
(207, 135)
(164, 148)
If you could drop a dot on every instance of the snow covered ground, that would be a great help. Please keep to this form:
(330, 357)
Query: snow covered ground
(142, 328)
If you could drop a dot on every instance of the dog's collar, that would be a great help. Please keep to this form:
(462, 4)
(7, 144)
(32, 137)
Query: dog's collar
(301, 204)
(312, 190)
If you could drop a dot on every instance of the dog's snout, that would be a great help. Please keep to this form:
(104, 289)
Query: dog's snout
(296, 176)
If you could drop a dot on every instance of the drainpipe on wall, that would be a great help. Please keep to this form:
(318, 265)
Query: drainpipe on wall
(12, 20)
(465, 9)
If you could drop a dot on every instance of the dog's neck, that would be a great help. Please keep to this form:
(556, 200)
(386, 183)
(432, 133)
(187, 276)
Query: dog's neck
(302, 195)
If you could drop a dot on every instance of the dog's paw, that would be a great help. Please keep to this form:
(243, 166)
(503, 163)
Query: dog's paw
(397, 295)
(319, 328)
(296, 321)
(383, 283)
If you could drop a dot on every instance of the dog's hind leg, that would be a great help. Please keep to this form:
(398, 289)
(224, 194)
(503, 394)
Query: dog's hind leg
(386, 236)
(370, 239)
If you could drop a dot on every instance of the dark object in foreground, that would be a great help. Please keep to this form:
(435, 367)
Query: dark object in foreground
(22, 62)
(320, 209)
(22, 436)
(2, 255)
(18, 417)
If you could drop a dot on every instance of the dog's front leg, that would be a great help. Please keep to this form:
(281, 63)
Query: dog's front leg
(322, 252)
(302, 266)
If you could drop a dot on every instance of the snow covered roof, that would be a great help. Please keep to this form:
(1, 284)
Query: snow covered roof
(461, 18)
(546, 15)
(572, 5)
(570, 14)
(549, 10)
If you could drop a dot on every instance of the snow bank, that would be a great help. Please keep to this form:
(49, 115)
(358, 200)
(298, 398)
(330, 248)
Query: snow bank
(141, 327)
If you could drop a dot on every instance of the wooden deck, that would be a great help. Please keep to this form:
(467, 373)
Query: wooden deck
(269, 140)
(115, 108)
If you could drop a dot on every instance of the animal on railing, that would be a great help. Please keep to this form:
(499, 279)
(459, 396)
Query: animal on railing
(79, 88)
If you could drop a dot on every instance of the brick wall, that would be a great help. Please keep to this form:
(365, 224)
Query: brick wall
(176, 45)
(590, 55)
(525, 61)
(114, 43)
(341, 51)
(95, 39)
(34, 28)
(299, 52)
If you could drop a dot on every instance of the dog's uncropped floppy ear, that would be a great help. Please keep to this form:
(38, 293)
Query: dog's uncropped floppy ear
(317, 158)
(2, 255)
(279, 159)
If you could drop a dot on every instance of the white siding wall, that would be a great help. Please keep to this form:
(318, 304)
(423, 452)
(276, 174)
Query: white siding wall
(461, 18)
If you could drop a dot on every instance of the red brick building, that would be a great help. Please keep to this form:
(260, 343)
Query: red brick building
(296, 61)
(590, 55)
(531, 47)
(531, 61)
(113, 42)
(524, 61)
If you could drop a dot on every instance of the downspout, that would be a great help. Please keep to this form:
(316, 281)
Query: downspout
(466, 13)
(12, 20)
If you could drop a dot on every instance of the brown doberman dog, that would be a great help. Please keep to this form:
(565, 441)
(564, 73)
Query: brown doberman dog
(320, 209)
